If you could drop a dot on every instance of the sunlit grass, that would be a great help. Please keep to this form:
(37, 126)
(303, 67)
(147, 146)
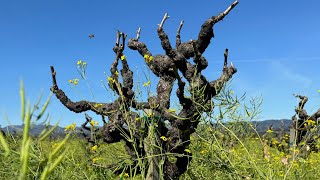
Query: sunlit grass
(227, 150)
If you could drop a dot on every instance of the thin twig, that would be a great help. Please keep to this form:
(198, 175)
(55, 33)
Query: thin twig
(54, 81)
(178, 37)
(226, 12)
(118, 38)
(138, 33)
(180, 26)
(225, 58)
(165, 17)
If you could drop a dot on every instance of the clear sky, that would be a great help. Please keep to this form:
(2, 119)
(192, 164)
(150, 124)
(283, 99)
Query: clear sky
(274, 45)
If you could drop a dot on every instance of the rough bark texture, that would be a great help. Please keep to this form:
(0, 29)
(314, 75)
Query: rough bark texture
(167, 67)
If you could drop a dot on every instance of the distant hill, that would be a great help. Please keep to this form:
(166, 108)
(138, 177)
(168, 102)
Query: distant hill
(261, 126)
(35, 130)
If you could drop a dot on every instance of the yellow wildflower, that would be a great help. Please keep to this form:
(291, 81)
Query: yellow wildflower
(126, 175)
(94, 160)
(123, 57)
(97, 105)
(164, 138)
(54, 145)
(187, 150)
(92, 122)
(269, 131)
(204, 151)
(171, 110)
(70, 81)
(146, 83)
(310, 122)
(147, 58)
(111, 80)
(79, 62)
(71, 127)
(76, 81)
(94, 148)
(117, 73)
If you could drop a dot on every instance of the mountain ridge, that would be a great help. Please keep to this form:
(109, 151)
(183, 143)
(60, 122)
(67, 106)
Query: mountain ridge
(35, 130)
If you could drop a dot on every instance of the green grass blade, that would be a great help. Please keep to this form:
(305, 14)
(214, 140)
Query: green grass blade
(46, 134)
(59, 147)
(44, 107)
(24, 160)
(22, 96)
(5, 145)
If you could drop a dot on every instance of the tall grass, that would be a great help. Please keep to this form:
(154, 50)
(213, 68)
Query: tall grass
(28, 144)
(222, 148)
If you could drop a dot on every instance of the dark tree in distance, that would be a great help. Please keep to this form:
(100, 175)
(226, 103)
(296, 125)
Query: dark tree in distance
(141, 134)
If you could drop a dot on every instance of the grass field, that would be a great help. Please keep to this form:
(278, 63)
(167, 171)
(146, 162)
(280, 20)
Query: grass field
(215, 156)
(229, 150)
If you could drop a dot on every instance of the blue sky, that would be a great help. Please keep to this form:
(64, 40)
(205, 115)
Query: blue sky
(274, 45)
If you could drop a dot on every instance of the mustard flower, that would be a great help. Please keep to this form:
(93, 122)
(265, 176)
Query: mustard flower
(71, 127)
(111, 80)
(79, 62)
(274, 141)
(123, 57)
(92, 122)
(94, 148)
(76, 81)
(146, 83)
(117, 73)
(164, 138)
(269, 131)
(94, 160)
(310, 122)
(147, 58)
(97, 105)
(204, 151)
(187, 150)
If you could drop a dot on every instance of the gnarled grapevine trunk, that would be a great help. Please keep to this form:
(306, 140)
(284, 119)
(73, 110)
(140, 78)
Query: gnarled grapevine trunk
(147, 136)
